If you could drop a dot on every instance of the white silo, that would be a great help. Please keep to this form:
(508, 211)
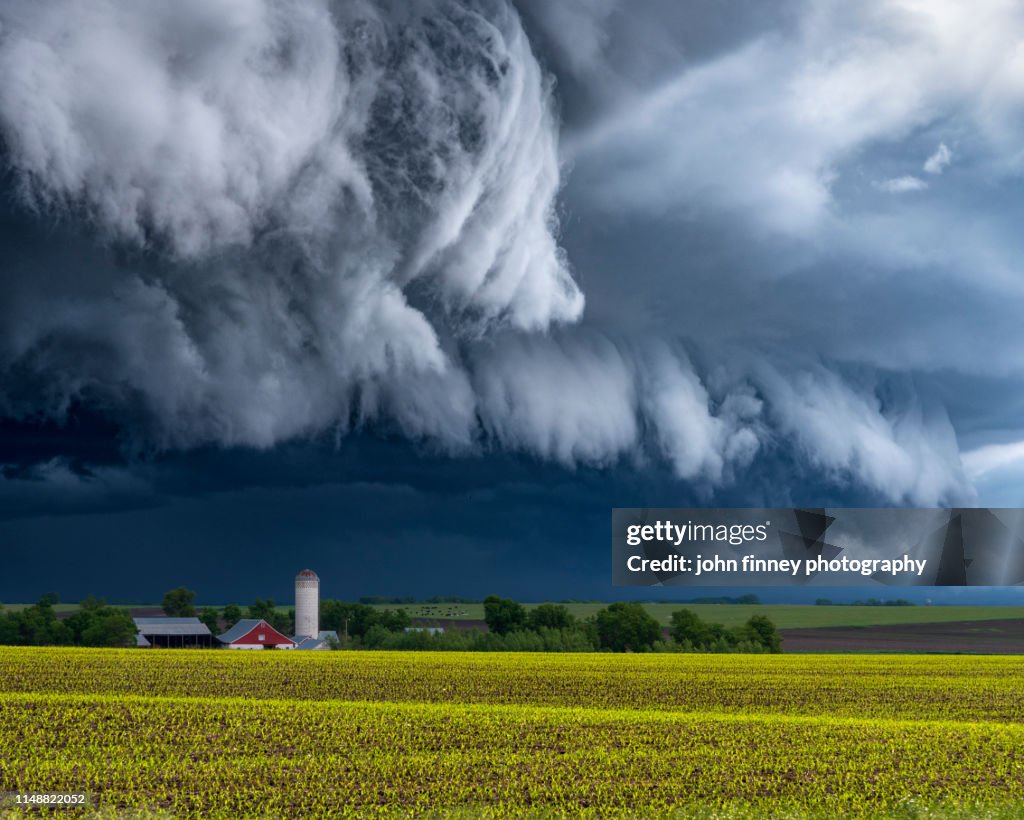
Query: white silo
(307, 604)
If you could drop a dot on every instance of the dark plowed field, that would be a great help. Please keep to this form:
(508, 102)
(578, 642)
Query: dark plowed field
(987, 637)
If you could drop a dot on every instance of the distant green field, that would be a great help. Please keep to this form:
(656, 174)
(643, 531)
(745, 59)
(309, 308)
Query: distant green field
(785, 616)
(59, 608)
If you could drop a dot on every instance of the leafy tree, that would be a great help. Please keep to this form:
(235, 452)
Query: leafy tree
(83, 618)
(763, 631)
(36, 625)
(211, 618)
(503, 615)
(109, 627)
(721, 639)
(351, 620)
(96, 624)
(42, 626)
(550, 616)
(177, 603)
(574, 639)
(267, 610)
(9, 632)
(232, 614)
(356, 620)
(264, 609)
(395, 620)
(757, 634)
(626, 626)
(687, 627)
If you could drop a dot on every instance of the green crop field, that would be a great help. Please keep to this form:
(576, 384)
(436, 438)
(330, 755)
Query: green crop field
(195, 733)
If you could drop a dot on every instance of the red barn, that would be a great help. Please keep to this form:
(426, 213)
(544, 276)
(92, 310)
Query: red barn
(255, 633)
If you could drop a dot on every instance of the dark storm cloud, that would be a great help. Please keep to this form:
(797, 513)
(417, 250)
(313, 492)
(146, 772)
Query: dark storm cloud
(792, 224)
(377, 517)
(274, 179)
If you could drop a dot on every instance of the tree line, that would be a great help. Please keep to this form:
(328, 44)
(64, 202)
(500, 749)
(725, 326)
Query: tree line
(180, 603)
(94, 624)
(618, 627)
(97, 624)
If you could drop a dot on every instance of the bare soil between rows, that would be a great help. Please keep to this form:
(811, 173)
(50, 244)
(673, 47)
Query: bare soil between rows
(980, 637)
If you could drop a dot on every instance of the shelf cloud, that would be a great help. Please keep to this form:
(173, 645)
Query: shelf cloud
(246, 223)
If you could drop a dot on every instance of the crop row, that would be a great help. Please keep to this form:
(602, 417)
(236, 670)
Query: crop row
(961, 688)
(236, 758)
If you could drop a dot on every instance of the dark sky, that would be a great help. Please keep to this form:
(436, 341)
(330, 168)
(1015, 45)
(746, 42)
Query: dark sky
(414, 297)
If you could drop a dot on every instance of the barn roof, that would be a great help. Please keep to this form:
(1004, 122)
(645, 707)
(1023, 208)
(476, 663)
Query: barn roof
(245, 626)
(239, 629)
(171, 626)
(319, 642)
(309, 643)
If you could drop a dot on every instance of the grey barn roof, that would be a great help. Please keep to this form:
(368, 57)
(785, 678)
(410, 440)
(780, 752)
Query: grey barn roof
(319, 642)
(309, 643)
(239, 629)
(171, 626)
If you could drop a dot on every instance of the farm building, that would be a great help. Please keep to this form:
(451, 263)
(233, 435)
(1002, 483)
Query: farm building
(321, 641)
(173, 633)
(255, 633)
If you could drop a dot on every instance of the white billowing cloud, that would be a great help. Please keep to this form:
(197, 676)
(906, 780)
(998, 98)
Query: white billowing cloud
(678, 147)
(906, 452)
(582, 398)
(997, 470)
(992, 457)
(179, 123)
(289, 171)
(765, 131)
(699, 445)
(570, 401)
(435, 406)
(939, 161)
(203, 127)
(902, 185)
